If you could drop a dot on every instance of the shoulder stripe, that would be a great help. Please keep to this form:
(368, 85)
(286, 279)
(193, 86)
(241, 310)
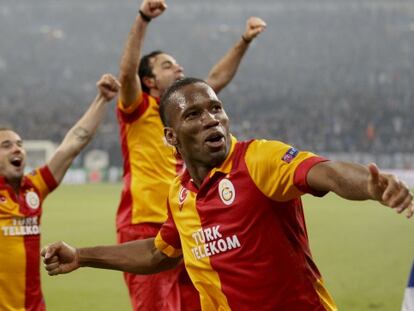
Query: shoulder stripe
(240, 151)
(136, 113)
(48, 177)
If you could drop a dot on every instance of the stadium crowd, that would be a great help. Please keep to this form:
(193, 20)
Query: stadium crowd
(329, 78)
(370, 123)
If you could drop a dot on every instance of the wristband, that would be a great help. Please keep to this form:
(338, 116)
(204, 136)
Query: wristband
(144, 16)
(245, 40)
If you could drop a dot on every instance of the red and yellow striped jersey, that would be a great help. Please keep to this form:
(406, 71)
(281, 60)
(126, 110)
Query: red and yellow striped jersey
(243, 233)
(150, 164)
(20, 241)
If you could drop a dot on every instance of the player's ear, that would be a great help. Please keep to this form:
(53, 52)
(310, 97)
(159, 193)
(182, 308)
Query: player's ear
(170, 136)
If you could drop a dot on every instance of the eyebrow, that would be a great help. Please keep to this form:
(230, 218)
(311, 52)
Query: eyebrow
(190, 108)
(196, 107)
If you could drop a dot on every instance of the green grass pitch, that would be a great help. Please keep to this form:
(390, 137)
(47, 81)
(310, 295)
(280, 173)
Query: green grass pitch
(363, 250)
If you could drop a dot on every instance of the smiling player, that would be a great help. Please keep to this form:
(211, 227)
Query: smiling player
(21, 198)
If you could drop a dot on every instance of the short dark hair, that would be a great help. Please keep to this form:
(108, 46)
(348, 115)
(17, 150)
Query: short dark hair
(165, 99)
(145, 68)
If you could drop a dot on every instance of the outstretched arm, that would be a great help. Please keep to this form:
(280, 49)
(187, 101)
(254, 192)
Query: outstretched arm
(139, 257)
(358, 182)
(131, 85)
(223, 72)
(83, 131)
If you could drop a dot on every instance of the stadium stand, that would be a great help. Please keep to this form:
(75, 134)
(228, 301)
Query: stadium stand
(331, 76)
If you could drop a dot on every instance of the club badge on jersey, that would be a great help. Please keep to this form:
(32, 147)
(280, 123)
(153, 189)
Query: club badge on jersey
(32, 200)
(227, 192)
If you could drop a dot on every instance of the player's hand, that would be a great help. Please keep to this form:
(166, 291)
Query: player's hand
(108, 86)
(390, 191)
(254, 26)
(153, 8)
(60, 258)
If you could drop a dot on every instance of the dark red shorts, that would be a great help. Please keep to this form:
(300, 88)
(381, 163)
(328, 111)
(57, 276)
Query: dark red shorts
(170, 290)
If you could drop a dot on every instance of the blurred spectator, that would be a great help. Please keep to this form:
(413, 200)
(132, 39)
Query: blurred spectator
(323, 75)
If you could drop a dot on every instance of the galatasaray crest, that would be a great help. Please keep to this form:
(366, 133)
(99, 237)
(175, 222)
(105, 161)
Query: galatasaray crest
(32, 200)
(227, 192)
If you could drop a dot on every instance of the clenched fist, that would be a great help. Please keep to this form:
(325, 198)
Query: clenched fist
(254, 26)
(153, 8)
(108, 86)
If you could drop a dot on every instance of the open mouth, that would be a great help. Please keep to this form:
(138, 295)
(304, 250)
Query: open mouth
(215, 139)
(17, 162)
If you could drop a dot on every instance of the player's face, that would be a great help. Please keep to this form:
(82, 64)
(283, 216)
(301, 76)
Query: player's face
(12, 156)
(166, 71)
(199, 126)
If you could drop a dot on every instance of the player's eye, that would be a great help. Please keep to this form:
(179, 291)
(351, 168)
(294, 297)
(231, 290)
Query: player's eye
(192, 114)
(6, 145)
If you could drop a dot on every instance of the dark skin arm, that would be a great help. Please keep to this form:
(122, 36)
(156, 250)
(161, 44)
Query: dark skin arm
(357, 182)
(139, 257)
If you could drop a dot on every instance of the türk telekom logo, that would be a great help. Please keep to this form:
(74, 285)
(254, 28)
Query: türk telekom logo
(227, 192)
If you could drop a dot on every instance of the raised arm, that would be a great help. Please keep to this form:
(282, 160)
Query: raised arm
(83, 131)
(128, 76)
(357, 182)
(139, 257)
(223, 72)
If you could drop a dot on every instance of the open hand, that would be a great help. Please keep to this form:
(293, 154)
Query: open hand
(390, 191)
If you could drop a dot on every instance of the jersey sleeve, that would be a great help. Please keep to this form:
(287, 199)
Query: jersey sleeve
(43, 180)
(168, 238)
(134, 111)
(279, 170)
